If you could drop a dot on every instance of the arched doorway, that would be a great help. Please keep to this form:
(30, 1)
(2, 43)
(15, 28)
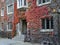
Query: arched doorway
(24, 27)
(21, 27)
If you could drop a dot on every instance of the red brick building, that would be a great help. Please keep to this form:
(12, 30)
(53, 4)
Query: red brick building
(37, 19)
(6, 11)
(43, 21)
(2, 14)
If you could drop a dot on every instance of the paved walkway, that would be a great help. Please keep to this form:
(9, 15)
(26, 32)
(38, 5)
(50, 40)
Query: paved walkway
(5, 41)
(20, 41)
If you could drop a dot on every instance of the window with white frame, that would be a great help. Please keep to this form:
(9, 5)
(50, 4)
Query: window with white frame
(2, 12)
(47, 23)
(10, 9)
(10, 25)
(22, 3)
(43, 2)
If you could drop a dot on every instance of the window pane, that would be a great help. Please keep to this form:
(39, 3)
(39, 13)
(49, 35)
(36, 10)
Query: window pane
(10, 8)
(39, 1)
(21, 2)
(9, 25)
(43, 23)
(2, 12)
(47, 23)
(24, 2)
(52, 23)
(43, 1)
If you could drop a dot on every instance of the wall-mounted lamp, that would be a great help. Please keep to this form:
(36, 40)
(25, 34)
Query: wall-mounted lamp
(54, 10)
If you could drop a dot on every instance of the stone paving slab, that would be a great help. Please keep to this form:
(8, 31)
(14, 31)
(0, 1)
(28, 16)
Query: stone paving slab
(18, 43)
(6, 41)
(23, 43)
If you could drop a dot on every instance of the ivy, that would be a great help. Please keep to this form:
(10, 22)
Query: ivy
(34, 14)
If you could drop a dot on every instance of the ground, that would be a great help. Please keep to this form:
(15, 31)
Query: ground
(6, 41)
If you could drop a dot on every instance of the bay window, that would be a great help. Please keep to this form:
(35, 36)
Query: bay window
(22, 3)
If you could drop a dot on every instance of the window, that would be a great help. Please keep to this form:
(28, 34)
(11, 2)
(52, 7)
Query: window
(2, 12)
(43, 2)
(47, 24)
(10, 25)
(21, 3)
(10, 9)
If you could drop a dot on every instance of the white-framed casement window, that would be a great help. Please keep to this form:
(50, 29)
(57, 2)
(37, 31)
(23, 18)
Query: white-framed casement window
(47, 24)
(2, 11)
(10, 8)
(22, 4)
(43, 2)
(9, 26)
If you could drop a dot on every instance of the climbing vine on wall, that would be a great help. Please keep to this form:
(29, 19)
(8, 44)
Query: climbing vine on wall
(34, 14)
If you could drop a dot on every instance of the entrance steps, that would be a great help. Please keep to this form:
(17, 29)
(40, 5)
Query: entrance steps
(19, 38)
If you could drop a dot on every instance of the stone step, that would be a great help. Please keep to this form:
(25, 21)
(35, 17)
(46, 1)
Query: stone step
(19, 38)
